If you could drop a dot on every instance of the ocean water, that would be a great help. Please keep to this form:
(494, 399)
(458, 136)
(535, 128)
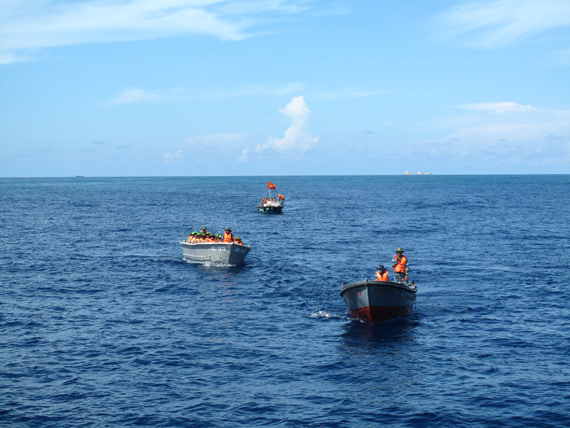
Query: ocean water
(102, 324)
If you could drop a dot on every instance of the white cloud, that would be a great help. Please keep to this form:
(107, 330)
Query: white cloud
(169, 157)
(136, 95)
(40, 24)
(500, 107)
(519, 131)
(243, 156)
(35, 24)
(9, 58)
(179, 94)
(295, 138)
(491, 23)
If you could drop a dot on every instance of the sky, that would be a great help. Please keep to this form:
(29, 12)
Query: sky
(111, 88)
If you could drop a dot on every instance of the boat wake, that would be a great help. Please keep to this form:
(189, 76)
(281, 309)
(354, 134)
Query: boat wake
(324, 314)
(174, 261)
(212, 264)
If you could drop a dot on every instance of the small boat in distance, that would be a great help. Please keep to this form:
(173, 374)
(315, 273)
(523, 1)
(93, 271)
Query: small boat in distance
(220, 253)
(407, 173)
(374, 301)
(271, 205)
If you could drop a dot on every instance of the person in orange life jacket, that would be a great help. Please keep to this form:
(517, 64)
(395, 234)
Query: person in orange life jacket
(228, 237)
(238, 240)
(400, 265)
(381, 273)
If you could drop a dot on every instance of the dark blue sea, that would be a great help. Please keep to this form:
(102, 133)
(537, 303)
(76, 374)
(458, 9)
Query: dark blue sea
(102, 323)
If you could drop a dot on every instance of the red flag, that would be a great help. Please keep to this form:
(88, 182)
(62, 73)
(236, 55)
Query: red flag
(270, 185)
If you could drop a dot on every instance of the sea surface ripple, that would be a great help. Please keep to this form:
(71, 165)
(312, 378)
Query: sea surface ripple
(102, 324)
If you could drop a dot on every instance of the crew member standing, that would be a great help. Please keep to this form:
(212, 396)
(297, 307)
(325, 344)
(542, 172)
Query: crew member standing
(381, 273)
(400, 265)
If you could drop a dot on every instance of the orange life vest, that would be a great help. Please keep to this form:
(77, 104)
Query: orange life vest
(382, 276)
(228, 237)
(401, 264)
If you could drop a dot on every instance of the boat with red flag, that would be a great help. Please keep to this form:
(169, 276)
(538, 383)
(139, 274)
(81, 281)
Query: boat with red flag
(375, 301)
(269, 204)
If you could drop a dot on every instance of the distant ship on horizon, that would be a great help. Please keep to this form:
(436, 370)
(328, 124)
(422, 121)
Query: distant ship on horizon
(419, 173)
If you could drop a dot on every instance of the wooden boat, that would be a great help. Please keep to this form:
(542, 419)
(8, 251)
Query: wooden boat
(375, 301)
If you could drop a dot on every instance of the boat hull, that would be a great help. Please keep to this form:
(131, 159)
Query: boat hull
(375, 301)
(270, 209)
(215, 253)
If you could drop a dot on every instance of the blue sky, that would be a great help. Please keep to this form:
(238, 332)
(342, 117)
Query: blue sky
(276, 87)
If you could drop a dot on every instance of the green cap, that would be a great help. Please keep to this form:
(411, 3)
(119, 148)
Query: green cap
(399, 250)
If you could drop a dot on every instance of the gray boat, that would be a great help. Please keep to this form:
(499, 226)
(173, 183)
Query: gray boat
(374, 301)
(222, 253)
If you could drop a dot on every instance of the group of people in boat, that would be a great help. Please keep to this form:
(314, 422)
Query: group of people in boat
(400, 266)
(279, 200)
(205, 237)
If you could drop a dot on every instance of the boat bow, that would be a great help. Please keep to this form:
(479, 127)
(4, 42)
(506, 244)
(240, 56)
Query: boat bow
(375, 301)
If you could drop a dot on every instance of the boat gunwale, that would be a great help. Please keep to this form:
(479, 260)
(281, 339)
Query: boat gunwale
(389, 284)
(215, 243)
